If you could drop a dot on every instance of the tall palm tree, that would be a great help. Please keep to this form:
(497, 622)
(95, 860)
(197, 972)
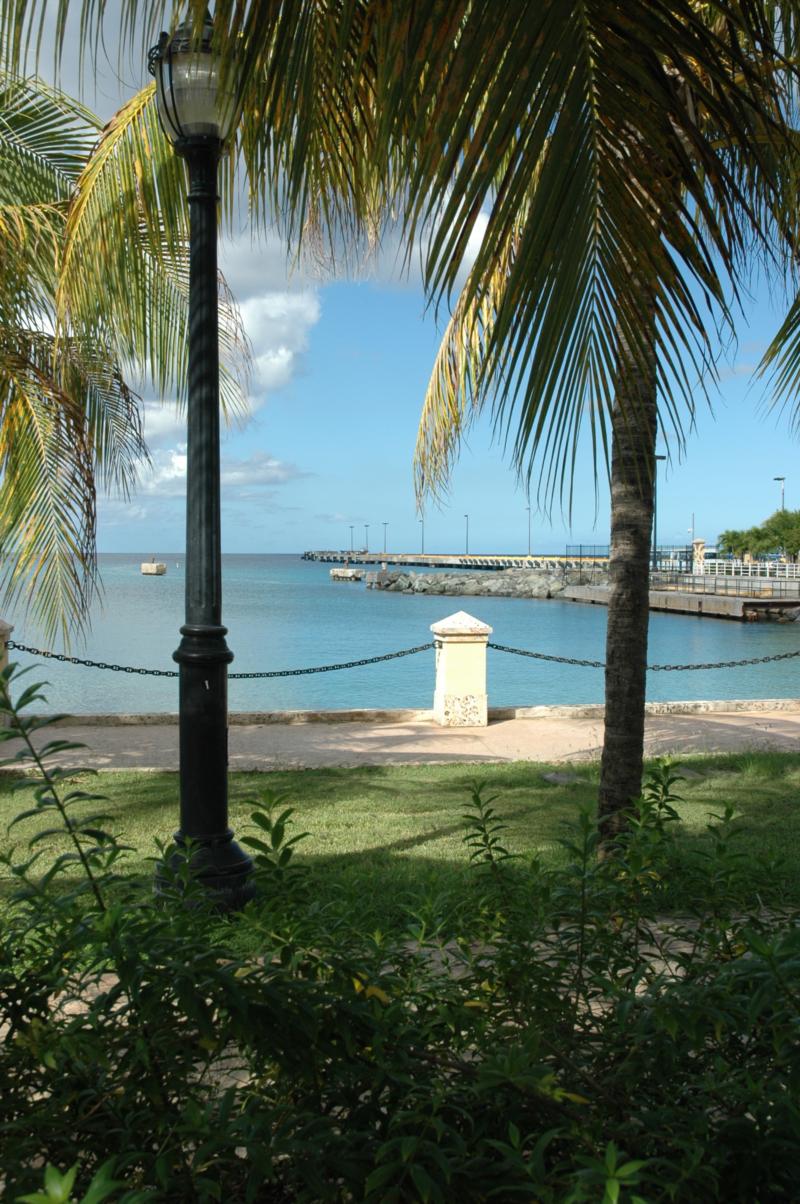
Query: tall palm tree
(603, 330)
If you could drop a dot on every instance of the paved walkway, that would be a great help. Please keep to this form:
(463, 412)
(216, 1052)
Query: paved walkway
(420, 741)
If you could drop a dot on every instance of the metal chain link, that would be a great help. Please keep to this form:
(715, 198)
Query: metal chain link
(571, 660)
(367, 660)
(390, 656)
(76, 660)
(544, 656)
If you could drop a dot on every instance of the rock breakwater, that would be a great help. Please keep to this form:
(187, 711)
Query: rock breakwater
(506, 583)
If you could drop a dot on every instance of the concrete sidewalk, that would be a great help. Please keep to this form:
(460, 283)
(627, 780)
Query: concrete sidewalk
(550, 734)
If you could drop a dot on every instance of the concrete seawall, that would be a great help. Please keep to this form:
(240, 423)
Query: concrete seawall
(390, 715)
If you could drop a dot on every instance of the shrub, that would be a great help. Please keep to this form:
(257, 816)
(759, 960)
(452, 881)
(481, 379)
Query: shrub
(571, 1045)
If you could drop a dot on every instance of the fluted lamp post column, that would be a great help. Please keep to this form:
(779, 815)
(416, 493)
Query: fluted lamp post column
(197, 109)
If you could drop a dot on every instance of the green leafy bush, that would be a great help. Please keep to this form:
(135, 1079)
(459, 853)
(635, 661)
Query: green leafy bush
(572, 1044)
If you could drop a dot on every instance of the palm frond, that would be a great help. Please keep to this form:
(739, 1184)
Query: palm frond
(30, 235)
(47, 515)
(307, 79)
(309, 115)
(454, 397)
(780, 365)
(612, 111)
(127, 242)
(60, 432)
(45, 139)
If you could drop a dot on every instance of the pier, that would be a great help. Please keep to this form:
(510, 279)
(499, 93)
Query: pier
(729, 605)
(453, 560)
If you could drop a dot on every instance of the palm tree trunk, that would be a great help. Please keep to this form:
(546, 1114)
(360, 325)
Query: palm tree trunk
(634, 428)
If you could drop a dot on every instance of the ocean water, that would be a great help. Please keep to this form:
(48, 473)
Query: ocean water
(283, 613)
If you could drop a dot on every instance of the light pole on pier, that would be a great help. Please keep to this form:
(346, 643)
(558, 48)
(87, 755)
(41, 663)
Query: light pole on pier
(366, 537)
(466, 536)
(197, 109)
(783, 484)
(529, 529)
(352, 545)
(422, 525)
(385, 525)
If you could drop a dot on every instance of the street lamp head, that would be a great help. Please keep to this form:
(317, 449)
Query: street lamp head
(197, 103)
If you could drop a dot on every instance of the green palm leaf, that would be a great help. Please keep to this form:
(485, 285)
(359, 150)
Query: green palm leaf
(630, 194)
(50, 442)
(127, 243)
(45, 139)
(30, 237)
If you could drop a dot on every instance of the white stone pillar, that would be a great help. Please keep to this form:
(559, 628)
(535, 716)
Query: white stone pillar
(460, 699)
(698, 557)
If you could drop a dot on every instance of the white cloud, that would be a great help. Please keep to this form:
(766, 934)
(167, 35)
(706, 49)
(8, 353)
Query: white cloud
(393, 263)
(167, 474)
(257, 470)
(118, 513)
(253, 267)
(280, 302)
(240, 478)
(163, 424)
(278, 325)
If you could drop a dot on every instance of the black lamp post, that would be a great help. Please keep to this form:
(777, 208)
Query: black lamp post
(197, 110)
(466, 536)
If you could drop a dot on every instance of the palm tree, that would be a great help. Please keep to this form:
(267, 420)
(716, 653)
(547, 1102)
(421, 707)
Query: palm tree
(67, 417)
(645, 179)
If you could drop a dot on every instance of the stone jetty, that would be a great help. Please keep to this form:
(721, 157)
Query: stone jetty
(505, 583)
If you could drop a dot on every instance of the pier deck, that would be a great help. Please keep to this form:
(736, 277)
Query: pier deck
(451, 560)
(719, 606)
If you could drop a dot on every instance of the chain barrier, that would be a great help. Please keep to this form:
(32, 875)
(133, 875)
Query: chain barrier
(390, 656)
(571, 660)
(367, 660)
(76, 660)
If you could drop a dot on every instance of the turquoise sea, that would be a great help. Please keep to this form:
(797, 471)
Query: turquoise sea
(283, 613)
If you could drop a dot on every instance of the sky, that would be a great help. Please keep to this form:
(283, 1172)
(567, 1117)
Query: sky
(341, 365)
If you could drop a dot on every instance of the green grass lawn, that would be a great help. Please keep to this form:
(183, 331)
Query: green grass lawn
(388, 839)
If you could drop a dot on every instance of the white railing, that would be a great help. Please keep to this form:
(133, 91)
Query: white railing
(719, 583)
(755, 568)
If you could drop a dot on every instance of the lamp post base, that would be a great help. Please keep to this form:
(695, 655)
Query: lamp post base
(215, 863)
